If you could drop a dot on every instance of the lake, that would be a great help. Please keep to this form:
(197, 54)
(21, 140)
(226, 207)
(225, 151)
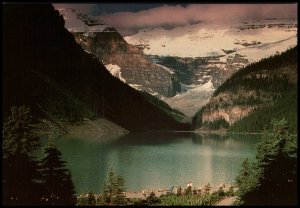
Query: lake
(155, 160)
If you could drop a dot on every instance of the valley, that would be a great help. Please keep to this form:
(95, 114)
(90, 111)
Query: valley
(199, 55)
(182, 66)
(149, 104)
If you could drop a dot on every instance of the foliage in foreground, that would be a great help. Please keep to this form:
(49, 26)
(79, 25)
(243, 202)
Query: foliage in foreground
(57, 180)
(113, 189)
(205, 199)
(26, 180)
(113, 193)
(187, 197)
(271, 179)
(19, 136)
(21, 180)
(88, 200)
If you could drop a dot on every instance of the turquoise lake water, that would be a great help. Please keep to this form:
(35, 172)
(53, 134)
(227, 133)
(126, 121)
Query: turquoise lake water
(155, 160)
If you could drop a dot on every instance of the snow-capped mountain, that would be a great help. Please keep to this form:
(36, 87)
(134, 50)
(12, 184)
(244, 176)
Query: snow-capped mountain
(212, 54)
(124, 61)
(200, 41)
(178, 64)
(75, 21)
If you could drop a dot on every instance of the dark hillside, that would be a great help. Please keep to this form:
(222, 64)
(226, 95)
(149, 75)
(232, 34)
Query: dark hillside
(253, 96)
(44, 68)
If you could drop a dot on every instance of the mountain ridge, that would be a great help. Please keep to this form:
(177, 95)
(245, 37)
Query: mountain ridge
(44, 66)
(199, 52)
(111, 49)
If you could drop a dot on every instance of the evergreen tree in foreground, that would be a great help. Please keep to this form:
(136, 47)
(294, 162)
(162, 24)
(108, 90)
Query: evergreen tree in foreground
(25, 180)
(272, 178)
(21, 180)
(113, 189)
(58, 186)
(19, 133)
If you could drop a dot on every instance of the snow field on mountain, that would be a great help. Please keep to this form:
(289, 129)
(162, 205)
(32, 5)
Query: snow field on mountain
(115, 71)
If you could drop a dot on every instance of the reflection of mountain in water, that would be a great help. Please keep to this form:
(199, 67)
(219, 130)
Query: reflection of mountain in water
(232, 140)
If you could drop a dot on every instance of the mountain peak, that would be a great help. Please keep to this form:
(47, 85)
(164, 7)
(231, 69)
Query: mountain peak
(76, 21)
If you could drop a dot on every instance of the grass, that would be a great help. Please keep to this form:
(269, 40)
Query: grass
(191, 200)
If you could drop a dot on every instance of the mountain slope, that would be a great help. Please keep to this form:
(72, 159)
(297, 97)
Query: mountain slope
(286, 107)
(254, 95)
(201, 53)
(44, 68)
(123, 60)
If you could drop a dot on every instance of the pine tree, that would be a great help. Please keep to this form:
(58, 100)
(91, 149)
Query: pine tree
(272, 178)
(277, 158)
(113, 189)
(19, 133)
(58, 186)
(247, 181)
(21, 180)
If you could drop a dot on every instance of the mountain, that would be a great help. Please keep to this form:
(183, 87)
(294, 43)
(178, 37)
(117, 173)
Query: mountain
(44, 68)
(123, 60)
(201, 54)
(198, 40)
(254, 95)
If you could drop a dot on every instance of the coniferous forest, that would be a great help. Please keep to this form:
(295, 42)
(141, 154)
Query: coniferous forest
(74, 134)
(274, 83)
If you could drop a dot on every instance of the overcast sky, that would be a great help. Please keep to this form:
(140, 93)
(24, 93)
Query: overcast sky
(129, 18)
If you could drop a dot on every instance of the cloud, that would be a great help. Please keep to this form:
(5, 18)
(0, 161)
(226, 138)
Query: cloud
(168, 16)
(84, 8)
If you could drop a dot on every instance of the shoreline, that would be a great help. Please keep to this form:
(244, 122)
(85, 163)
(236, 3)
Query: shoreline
(143, 194)
(224, 132)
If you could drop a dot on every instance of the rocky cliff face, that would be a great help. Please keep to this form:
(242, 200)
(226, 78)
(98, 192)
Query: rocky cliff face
(195, 73)
(112, 50)
(230, 114)
(228, 106)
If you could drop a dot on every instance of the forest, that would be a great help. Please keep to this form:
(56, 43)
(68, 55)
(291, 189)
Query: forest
(273, 84)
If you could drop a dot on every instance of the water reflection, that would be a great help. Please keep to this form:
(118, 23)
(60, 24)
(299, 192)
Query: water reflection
(155, 160)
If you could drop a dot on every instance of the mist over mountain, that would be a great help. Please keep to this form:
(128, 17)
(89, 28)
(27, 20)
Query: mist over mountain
(128, 19)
